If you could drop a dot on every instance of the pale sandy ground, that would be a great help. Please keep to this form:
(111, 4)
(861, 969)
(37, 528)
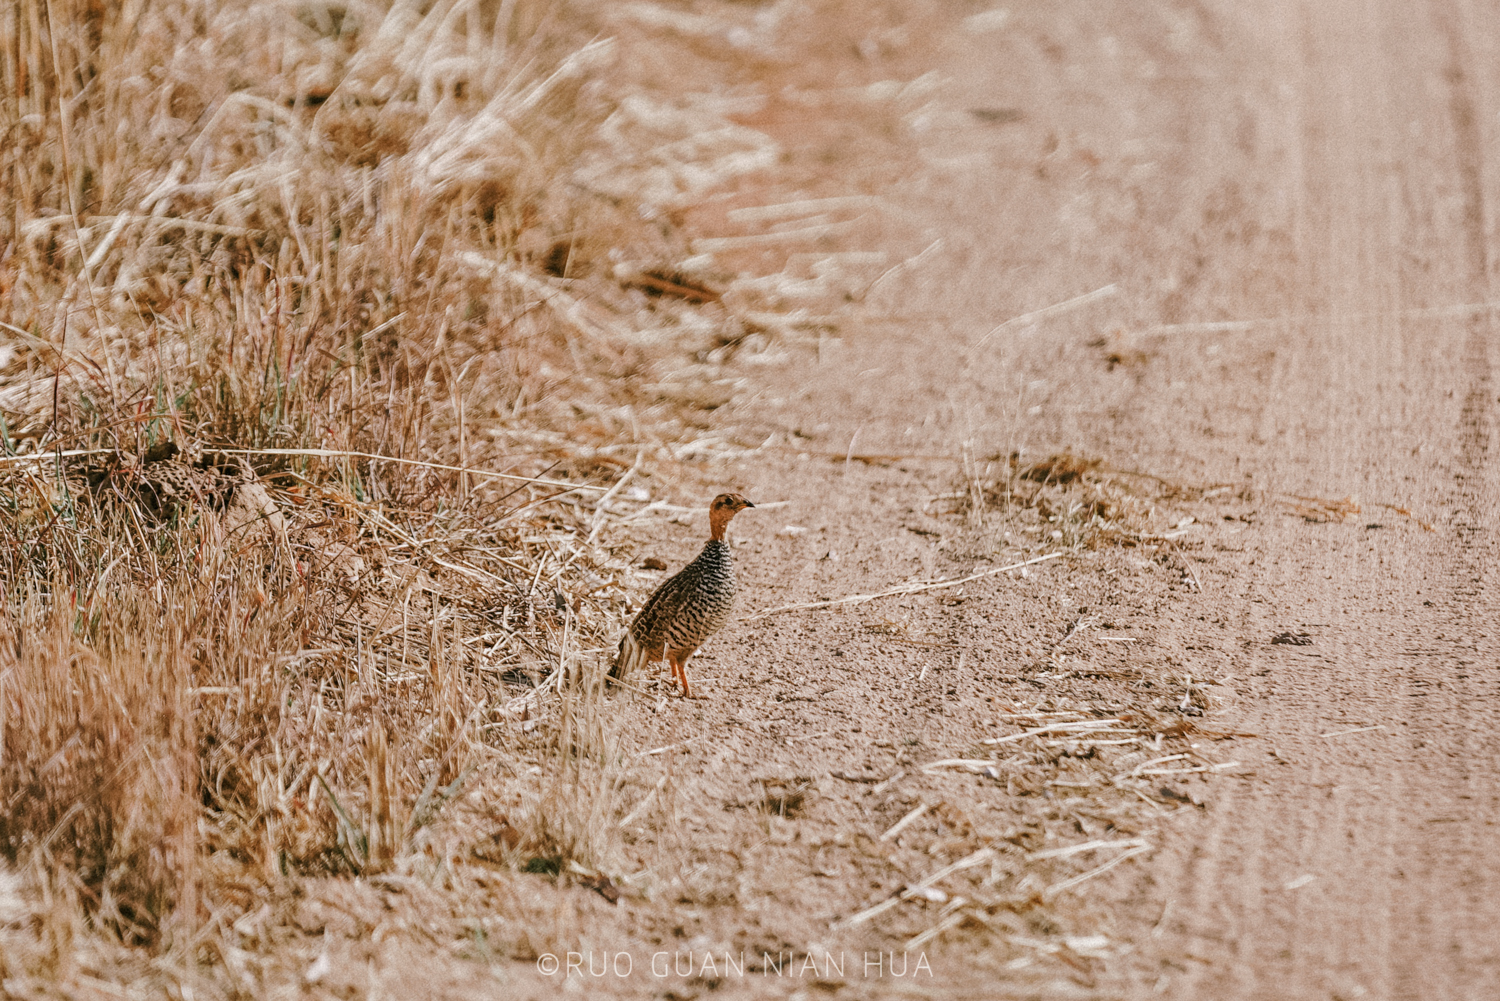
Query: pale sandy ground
(1329, 169)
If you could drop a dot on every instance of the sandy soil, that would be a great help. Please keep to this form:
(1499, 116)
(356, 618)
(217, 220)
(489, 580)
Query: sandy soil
(1287, 200)
(1325, 170)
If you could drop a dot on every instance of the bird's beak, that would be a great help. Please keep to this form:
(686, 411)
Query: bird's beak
(748, 504)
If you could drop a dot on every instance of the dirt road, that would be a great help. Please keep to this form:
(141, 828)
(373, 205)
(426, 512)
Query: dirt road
(1361, 142)
(1296, 206)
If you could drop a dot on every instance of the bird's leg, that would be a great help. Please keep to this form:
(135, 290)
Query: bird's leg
(679, 671)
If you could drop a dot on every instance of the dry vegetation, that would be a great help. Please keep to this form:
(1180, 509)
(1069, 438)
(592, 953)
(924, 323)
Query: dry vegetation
(1079, 501)
(291, 238)
(402, 271)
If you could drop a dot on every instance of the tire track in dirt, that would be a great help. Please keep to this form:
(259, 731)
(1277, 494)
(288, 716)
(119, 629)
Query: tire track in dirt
(1362, 868)
(1447, 924)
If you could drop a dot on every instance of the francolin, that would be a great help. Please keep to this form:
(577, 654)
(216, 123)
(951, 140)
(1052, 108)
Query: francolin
(165, 481)
(689, 607)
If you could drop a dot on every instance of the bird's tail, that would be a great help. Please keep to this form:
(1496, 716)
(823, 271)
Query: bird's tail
(632, 657)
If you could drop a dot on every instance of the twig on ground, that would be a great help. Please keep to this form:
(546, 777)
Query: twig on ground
(1235, 326)
(645, 802)
(904, 822)
(972, 764)
(627, 685)
(855, 599)
(906, 265)
(1048, 311)
(1093, 724)
(601, 508)
(49, 456)
(1140, 768)
(670, 747)
(718, 244)
(1087, 846)
(951, 921)
(1358, 729)
(802, 207)
(1187, 567)
(979, 857)
(1068, 884)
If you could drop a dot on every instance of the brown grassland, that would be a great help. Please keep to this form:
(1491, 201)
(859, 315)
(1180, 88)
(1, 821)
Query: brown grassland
(340, 232)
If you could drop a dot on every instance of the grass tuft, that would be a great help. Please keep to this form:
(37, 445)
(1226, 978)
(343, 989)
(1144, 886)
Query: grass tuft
(247, 233)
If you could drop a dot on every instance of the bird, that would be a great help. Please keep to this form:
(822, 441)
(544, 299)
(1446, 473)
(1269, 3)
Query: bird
(689, 607)
(170, 487)
(165, 482)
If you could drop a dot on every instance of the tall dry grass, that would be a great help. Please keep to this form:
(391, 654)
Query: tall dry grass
(253, 226)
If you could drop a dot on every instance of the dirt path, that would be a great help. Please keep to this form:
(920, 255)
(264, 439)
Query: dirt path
(1328, 168)
(1362, 868)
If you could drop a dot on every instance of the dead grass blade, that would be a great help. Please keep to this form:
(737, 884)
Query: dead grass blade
(856, 599)
(1046, 312)
(328, 453)
(1068, 884)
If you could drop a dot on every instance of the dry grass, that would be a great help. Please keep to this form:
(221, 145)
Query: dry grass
(1085, 791)
(1073, 500)
(277, 226)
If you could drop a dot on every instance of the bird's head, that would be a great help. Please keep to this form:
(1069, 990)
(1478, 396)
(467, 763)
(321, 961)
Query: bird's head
(724, 507)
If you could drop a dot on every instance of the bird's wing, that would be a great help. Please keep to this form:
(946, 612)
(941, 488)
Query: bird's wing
(650, 626)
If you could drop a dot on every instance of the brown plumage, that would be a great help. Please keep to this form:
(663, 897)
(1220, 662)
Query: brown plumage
(689, 607)
(165, 483)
